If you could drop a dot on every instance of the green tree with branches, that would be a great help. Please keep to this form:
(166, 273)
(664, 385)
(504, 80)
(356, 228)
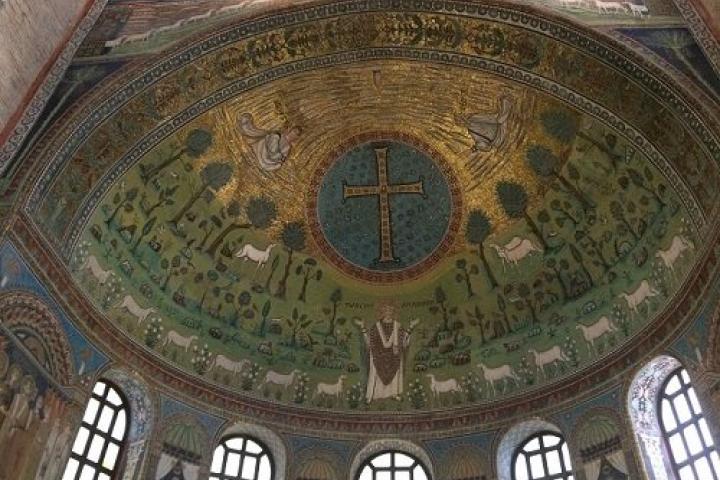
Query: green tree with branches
(464, 273)
(293, 237)
(546, 165)
(525, 293)
(298, 323)
(260, 213)
(577, 256)
(476, 317)
(514, 201)
(335, 298)
(308, 270)
(477, 230)
(197, 143)
(441, 306)
(213, 177)
(121, 201)
(644, 183)
(147, 228)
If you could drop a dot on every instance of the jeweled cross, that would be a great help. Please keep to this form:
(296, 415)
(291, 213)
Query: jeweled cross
(383, 190)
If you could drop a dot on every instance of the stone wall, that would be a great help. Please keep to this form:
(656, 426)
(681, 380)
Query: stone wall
(32, 33)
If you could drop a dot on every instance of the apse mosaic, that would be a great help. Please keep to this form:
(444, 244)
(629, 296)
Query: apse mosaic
(303, 264)
(392, 230)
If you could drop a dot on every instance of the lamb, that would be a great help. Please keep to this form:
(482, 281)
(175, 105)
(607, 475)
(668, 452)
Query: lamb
(677, 247)
(493, 375)
(258, 256)
(597, 330)
(637, 9)
(515, 250)
(178, 340)
(641, 295)
(332, 389)
(102, 276)
(230, 365)
(129, 304)
(552, 355)
(606, 7)
(283, 380)
(442, 386)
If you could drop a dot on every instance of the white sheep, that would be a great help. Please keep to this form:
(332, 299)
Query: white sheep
(281, 379)
(97, 271)
(258, 256)
(442, 386)
(332, 389)
(134, 308)
(640, 295)
(178, 340)
(503, 372)
(597, 330)
(552, 355)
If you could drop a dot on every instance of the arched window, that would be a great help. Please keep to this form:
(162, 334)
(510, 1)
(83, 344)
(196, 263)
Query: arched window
(543, 456)
(393, 466)
(99, 442)
(241, 458)
(685, 430)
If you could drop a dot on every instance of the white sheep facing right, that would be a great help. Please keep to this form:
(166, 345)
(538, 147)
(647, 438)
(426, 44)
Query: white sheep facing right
(258, 256)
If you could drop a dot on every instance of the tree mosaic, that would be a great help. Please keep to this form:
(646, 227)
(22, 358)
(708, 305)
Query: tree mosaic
(220, 266)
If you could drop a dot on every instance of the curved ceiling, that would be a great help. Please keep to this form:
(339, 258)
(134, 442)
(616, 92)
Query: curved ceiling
(355, 208)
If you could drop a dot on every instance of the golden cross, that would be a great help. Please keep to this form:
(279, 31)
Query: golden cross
(383, 190)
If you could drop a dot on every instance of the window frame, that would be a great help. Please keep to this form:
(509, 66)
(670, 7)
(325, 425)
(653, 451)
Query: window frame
(392, 469)
(681, 427)
(93, 429)
(223, 442)
(567, 469)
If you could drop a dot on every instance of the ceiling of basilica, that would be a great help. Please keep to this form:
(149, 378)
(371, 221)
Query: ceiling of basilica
(359, 208)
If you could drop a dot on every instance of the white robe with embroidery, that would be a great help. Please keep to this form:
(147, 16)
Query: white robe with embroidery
(271, 148)
(399, 341)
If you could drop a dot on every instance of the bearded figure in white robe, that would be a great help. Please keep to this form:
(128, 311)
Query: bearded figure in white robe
(488, 130)
(271, 148)
(387, 342)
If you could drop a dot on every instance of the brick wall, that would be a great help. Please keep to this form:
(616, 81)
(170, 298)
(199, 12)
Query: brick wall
(32, 33)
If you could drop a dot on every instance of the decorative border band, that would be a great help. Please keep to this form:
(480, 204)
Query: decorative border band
(700, 31)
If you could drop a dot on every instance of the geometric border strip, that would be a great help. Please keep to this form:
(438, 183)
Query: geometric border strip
(700, 31)
(692, 87)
